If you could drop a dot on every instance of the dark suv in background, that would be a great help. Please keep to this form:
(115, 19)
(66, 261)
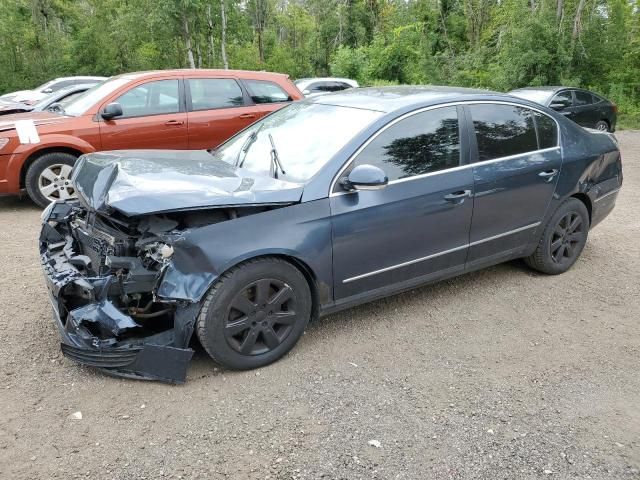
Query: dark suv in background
(582, 106)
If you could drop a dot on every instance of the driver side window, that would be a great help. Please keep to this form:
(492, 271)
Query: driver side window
(564, 98)
(153, 98)
(421, 143)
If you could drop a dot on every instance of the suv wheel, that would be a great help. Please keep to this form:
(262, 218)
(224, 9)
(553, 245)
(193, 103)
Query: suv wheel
(602, 125)
(255, 313)
(47, 178)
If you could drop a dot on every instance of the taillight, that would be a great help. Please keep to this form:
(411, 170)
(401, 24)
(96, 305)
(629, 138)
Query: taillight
(615, 108)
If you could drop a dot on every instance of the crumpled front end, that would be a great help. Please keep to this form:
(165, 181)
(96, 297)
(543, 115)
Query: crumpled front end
(102, 275)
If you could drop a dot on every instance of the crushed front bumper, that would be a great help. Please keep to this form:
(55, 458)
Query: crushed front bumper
(93, 330)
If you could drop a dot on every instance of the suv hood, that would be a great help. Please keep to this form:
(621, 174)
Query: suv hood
(142, 182)
(8, 122)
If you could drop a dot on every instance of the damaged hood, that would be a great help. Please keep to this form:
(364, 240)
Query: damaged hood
(142, 182)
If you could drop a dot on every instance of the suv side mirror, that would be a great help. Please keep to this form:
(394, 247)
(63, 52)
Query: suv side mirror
(558, 105)
(365, 177)
(47, 90)
(111, 111)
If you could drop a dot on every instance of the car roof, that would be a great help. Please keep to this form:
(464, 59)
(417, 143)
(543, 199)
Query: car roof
(203, 72)
(388, 99)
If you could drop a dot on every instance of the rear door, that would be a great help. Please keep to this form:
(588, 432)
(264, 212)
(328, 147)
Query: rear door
(517, 161)
(217, 109)
(417, 227)
(153, 117)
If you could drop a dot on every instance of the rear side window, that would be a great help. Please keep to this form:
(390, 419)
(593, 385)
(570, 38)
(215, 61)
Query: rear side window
(212, 93)
(503, 130)
(152, 98)
(547, 131)
(422, 143)
(583, 98)
(262, 91)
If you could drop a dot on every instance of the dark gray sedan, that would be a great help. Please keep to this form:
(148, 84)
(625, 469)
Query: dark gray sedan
(322, 205)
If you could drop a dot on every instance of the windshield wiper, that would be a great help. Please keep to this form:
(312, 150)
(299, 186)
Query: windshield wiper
(244, 150)
(275, 159)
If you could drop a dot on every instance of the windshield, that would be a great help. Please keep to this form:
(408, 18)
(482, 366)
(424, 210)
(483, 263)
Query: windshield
(538, 96)
(92, 96)
(306, 136)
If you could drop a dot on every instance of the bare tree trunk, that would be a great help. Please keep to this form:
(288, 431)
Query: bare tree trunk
(187, 41)
(199, 54)
(223, 43)
(212, 50)
(559, 8)
(259, 18)
(577, 26)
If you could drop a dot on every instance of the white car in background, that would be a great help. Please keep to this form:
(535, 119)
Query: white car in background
(312, 87)
(32, 96)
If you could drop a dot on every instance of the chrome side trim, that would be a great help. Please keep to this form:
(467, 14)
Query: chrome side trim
(445, 252)
(404, 264)
(500, 235)
(439, 172)
(607, 194)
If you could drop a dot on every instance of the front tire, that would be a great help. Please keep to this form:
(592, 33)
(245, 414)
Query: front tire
(255, 313)
(563, 239)
(602, 125)
(47, 178)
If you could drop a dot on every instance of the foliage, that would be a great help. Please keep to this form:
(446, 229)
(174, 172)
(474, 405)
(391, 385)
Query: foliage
(495, 44)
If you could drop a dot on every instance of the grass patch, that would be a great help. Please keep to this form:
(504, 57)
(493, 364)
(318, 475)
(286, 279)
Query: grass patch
(628, 122)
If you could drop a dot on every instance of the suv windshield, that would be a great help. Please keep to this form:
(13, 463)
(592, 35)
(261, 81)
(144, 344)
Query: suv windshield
(307, 135)
(92, 96)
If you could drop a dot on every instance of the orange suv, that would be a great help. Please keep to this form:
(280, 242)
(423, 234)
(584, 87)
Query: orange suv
(174, 109)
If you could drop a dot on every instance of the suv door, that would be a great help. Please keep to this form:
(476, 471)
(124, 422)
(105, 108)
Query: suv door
(153, 117)
(417, 227)
(217, 109)
(517, 160)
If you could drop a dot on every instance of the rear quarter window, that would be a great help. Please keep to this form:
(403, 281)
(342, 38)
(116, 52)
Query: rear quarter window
(547, 131)
(264, 91)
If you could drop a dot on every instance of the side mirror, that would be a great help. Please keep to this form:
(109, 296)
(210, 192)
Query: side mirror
(558, 105)
(48, 90)
(112, 110)
(306, 92)
(365, 177)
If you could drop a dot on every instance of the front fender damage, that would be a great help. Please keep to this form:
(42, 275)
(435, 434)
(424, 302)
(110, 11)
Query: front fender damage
(109, 316)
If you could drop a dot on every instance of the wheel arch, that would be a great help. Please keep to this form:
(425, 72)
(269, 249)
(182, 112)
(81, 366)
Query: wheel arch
(43, 151)
(584, 198)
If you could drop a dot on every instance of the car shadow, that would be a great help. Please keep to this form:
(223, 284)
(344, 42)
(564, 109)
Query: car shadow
(18, 203)
(202, 366)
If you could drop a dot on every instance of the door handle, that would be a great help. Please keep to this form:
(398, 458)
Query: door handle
(458, 197)
(548, 174)
(248, 115)
(174, 122)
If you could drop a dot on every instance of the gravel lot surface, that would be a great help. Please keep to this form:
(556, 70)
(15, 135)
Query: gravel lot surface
(499, 374)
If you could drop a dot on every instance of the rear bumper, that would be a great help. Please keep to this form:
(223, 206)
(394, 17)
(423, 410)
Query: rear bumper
(95, 332)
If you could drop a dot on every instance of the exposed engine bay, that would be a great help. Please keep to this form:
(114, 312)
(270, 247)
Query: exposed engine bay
(103, 274)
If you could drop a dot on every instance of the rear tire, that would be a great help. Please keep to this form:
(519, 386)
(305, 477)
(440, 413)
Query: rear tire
(602, 125)
(255, 313)
(563, 239)
(47, 178)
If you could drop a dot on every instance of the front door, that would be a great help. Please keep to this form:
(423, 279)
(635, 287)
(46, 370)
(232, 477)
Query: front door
(418, 226)
(516, 167)
(153, 117)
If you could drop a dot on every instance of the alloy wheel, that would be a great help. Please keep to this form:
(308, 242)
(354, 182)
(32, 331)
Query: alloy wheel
(260, 317)
(567, 235)
(54, 182)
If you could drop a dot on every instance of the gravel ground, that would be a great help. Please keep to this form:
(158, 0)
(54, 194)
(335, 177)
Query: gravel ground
(499, 374)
